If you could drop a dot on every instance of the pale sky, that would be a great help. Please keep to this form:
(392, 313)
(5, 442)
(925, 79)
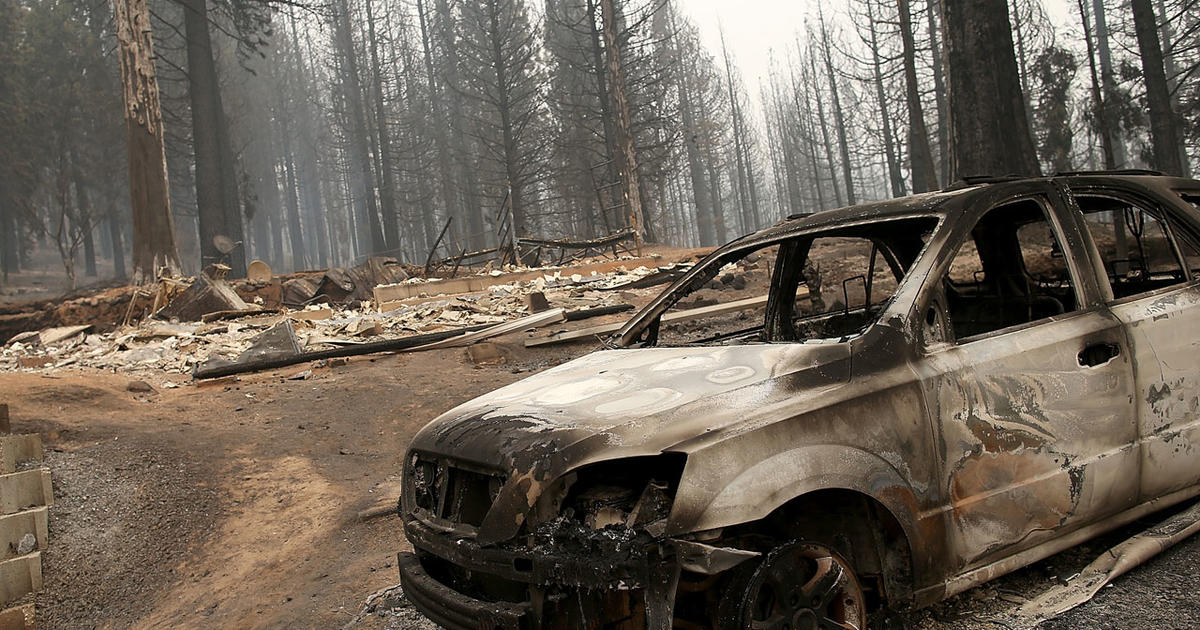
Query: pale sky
(754, 27)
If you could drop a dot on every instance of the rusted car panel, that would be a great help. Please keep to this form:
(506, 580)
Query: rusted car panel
(978, 420)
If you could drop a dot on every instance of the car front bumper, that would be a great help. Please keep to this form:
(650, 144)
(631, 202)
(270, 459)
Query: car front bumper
(453, 610)
(446, 578)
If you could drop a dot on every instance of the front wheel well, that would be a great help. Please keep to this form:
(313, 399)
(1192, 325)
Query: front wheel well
(857, 525)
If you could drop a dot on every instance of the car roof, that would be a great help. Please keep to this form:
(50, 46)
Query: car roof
(935, 202)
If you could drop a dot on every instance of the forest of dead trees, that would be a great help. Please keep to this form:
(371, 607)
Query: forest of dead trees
(316, 133)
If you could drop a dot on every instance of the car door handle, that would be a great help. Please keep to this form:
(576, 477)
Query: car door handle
(1098, 354)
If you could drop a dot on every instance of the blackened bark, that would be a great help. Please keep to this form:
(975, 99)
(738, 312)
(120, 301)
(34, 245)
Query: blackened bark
(468, 176)
(885, 118)
(839, 118)
(820, 121)
(920, 154)
(116, 238)
(150, 200)
(700, 191)
(747, 196)
(1111, 117)
(714, 178)
(368, 228)
(626, 149)
(1098, 109)
(85, 222)
(1172, 71)
(991, 132)
(216, 186)
(447, 174)
(932, 11)
(293, 202)
(1163, 134)
(387, 179)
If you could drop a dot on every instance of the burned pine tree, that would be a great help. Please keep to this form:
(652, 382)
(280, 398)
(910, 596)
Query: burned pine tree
(991, 131)
(1163, 134)
(603, 73)
(839, 114)
(746, 182)
(880, 65)
(218, 208)
(501, 82)
(1108, 114)
(362, 174)
(626, 151)
(920, 154)
(153, 231)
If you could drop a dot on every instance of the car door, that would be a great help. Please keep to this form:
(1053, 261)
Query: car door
(1028, 384)
(1156, 294)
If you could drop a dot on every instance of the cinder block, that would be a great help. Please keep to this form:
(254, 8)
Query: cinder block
(25, 489)
(19, 448)
(20, 576)
(14, 527)
(18, 618)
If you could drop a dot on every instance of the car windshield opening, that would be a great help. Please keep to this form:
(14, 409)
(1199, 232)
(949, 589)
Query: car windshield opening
(828, 284)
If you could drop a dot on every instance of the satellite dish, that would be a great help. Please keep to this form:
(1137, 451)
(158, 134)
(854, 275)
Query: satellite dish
(224, 244)
(259, 271)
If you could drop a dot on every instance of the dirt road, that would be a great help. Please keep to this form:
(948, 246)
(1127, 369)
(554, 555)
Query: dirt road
(234, 504)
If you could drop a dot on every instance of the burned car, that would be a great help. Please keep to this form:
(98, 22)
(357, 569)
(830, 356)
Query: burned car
(885, 405)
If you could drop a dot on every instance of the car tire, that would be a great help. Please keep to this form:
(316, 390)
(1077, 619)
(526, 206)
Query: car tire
(797, 585)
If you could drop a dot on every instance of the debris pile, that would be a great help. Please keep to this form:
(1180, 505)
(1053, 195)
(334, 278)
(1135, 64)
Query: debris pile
(208, 324)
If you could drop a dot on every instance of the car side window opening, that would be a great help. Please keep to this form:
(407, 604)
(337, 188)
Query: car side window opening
(1011, 271)
(826, 285)
(1135, 245)
(1192, 198)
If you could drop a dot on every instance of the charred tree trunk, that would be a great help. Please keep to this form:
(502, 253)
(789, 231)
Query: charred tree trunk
(932, 11)
(217, 204)
(309, 173)
(991, 132)
(889, 148)
(449, 181)
(368, 227)
(1112, 124)
(747, 196)
(86, 223)
(1173, 82)
(920, 155)
(299, 259)
(600, 69)
(153, 232)
(1164, 136)
(714, 179)
(1098, 109)
(812, 84)
(117, 240)
(387, 179)
(626, 149)
(838, 118)
(469, 179)
(700, 193)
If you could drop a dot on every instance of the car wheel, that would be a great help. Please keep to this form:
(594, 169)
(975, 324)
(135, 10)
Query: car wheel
(799, 585)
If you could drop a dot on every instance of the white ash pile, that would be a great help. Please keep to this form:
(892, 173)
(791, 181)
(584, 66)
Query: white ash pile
(176, 347)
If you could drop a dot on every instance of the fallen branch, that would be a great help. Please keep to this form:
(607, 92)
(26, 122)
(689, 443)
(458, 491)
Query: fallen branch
(216, 368)
(211, 369)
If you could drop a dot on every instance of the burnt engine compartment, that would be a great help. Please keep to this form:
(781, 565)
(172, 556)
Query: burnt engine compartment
(586, 567)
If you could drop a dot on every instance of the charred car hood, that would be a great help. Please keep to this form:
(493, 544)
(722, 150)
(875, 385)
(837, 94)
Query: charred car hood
(618, 403)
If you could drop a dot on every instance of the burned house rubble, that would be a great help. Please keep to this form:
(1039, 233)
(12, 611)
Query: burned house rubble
(202, 327)
(900, 401)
